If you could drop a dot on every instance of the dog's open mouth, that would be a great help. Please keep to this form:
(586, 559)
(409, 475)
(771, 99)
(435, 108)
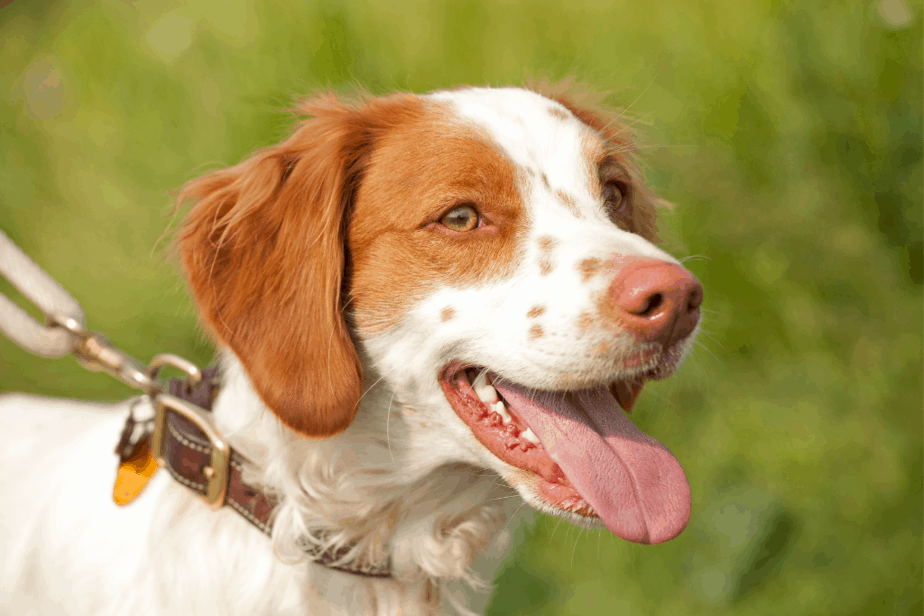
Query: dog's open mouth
(589, 457)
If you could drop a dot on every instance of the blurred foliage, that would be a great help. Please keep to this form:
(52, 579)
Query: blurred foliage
(787, 133)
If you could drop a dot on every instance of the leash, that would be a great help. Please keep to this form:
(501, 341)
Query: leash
(181, 437)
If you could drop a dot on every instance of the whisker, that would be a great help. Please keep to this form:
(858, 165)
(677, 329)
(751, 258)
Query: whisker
(637, 98)
(388, 426)
(552, 536)
(626, 127)
(663, 145)
(574, 549)
(695, 258)
(371, 387)
(513, 515)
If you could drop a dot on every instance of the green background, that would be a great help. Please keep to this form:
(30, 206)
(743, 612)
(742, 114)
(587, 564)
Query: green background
(788, 134)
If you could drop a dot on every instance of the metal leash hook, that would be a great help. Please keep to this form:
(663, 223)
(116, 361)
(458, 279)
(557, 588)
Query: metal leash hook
(96, 353)
(65, 331)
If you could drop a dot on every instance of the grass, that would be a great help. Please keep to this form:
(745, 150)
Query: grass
(788, 134)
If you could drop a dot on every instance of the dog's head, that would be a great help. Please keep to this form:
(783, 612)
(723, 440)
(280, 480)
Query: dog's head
(491, 251)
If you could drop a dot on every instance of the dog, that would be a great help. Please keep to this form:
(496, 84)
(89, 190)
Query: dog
(429, 309)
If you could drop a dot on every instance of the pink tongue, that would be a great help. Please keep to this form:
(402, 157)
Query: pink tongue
(632, 481)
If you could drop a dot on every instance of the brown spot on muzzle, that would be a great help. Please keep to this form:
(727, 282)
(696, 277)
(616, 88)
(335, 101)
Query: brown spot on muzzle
(535, 311)
(546, 245)
(585, 321)
(589, 267)
(447, 314)
(570, 202)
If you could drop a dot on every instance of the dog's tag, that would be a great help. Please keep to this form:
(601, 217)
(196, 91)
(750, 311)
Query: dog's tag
(134, 473)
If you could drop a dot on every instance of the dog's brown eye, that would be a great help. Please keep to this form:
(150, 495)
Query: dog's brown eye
(617, 203)
(461, 218)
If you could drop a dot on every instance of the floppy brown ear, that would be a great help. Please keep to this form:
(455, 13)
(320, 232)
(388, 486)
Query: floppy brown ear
(264, 252)
(585, 105)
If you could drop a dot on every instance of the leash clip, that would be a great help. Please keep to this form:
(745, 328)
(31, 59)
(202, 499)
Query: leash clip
(218, 472)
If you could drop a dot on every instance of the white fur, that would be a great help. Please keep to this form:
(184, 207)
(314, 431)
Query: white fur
(68, 549)
(407, 479)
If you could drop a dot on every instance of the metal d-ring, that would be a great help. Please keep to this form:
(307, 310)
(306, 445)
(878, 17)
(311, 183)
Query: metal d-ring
(169, 359)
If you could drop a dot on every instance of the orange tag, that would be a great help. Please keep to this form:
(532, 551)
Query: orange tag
(134, 474)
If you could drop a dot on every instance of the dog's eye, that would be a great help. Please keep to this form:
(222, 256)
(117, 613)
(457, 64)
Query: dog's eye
(616, 195)
(461, 218)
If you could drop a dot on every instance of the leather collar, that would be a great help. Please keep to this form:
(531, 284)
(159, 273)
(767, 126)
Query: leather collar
(187, 456)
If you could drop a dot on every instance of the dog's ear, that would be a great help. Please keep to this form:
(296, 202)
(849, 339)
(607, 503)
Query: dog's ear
(585, 104)
(264, 253)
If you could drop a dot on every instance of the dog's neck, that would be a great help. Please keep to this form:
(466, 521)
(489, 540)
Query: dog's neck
(358, 488)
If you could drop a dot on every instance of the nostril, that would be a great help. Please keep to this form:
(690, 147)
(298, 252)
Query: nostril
(652, 305)
(696, 298)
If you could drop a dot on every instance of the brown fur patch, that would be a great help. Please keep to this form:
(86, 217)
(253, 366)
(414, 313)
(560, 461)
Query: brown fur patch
(589, 267)
(535, 311)
(561, 114)
(585, 321)
(535, 332)
(570, 202)
(546, 245)
(420, 168)
(594, 152)
(447, 313)
(609, 315)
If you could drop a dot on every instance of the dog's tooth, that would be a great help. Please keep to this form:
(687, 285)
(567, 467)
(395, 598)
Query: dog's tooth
(528, 435)
(501, 410)
(484, 390)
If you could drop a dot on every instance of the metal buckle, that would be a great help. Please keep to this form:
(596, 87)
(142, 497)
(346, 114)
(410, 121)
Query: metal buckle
(217, 474)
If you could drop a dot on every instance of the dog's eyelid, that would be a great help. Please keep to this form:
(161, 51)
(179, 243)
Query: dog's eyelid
(609, 167)
(457, 203)
(614, 173)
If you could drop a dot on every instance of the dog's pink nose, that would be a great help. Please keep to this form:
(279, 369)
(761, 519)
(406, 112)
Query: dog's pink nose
(658, 301)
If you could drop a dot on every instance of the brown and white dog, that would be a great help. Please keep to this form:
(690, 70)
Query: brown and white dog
(415, 296)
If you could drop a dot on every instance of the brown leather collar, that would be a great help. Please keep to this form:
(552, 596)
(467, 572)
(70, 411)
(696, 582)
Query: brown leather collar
(187, 456)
